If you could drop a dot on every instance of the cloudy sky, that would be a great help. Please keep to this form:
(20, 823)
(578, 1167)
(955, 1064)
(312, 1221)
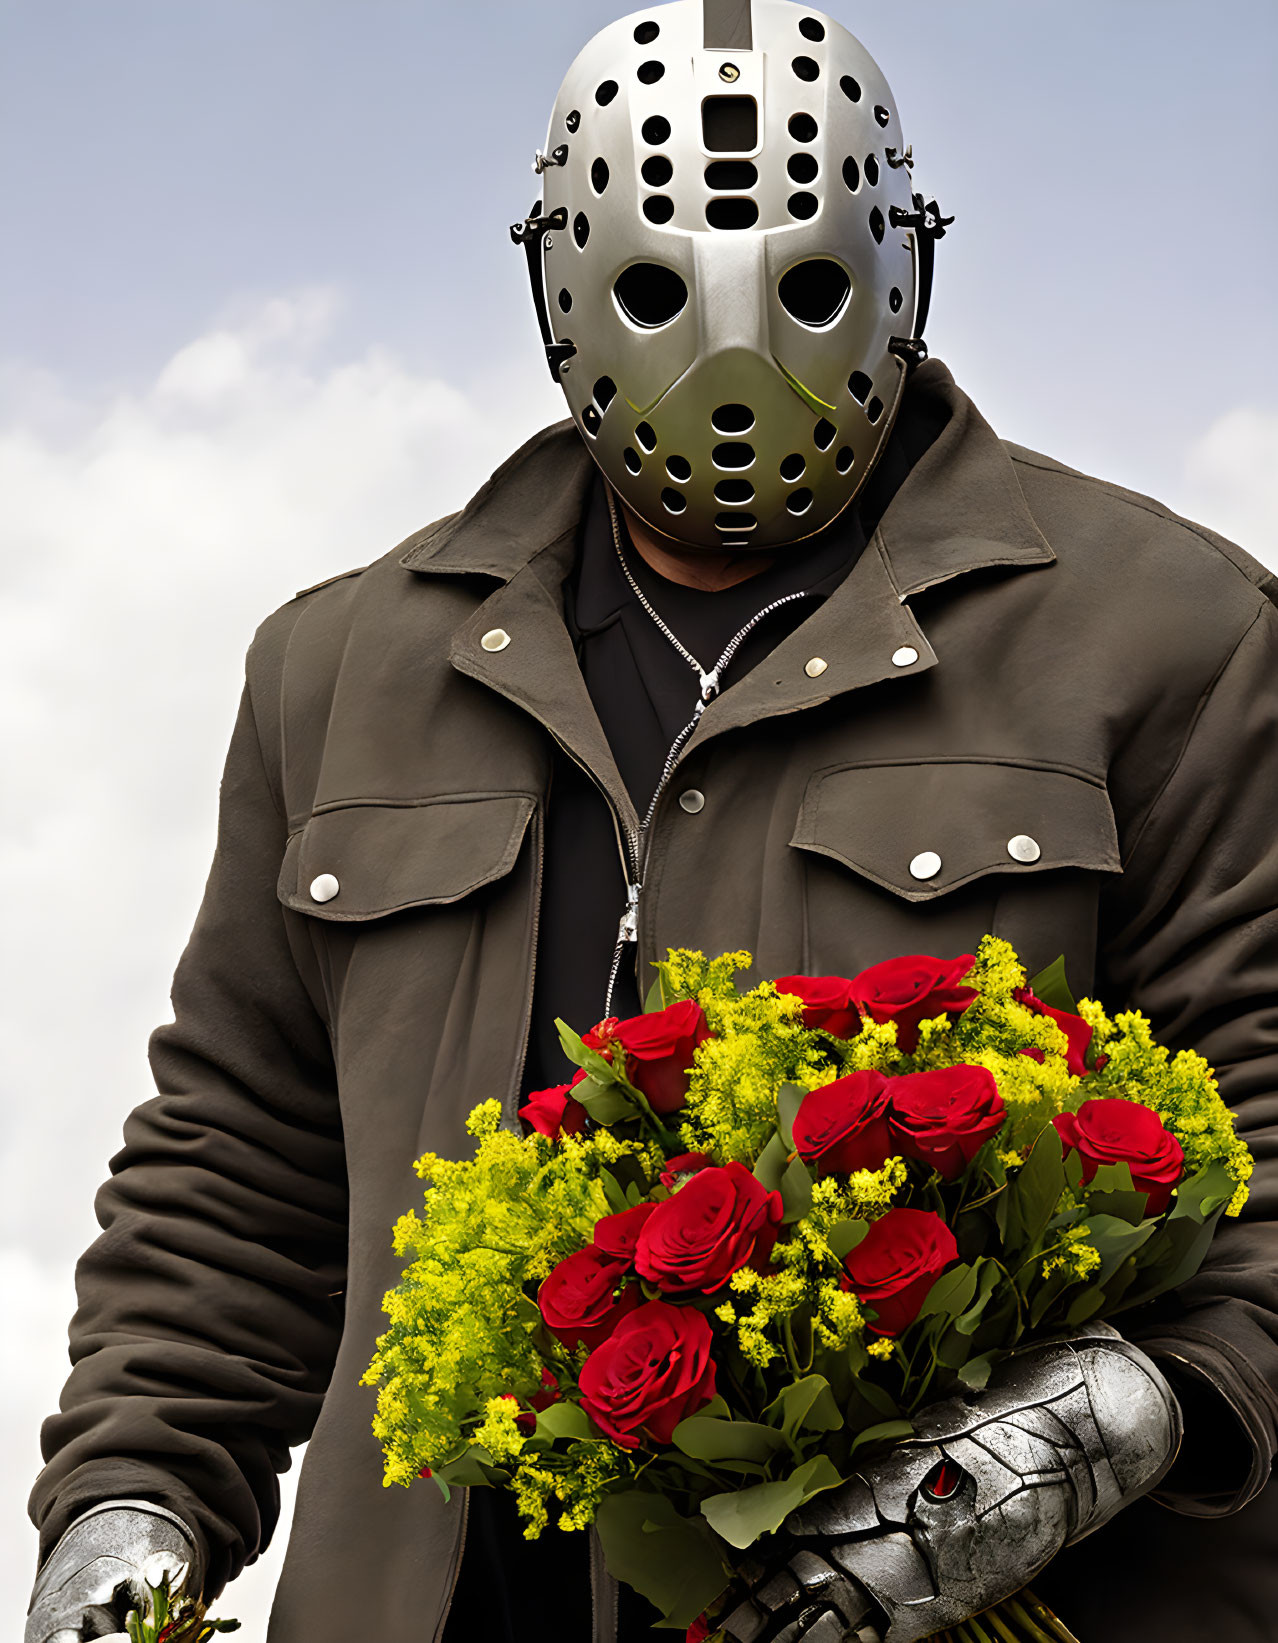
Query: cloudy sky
(260, 318)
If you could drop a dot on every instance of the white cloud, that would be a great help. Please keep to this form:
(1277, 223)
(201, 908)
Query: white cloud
(1231, 480)
(145, 538)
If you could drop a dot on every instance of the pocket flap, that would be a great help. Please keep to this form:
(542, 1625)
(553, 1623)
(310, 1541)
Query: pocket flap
(362, 861)
(921, 829)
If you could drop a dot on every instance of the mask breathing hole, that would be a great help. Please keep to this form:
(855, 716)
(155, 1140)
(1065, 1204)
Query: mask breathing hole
(573, 119)
(874, 410)
(632, 459)
(805, 68)
(581, 229)
(655, 130)
(656, 171)
(732, 419)
(590, 419)
(815, 292)
(732, 455)
(658, 208)
(811, 29)
(673, 501)
(605, 391)
(729, 125)
(871, 171)
(803, 128)
(792, 468)
(850, 88)
(732, 214)
(599, 176)
(881, 114)
(651, 72)
(647, 32)
(565, 300)
(645, 438)
(734, 491)
(801, 168)
(824, 434)
(678, 467)
(735, 522)
(649, 295)
(876, 225)
(605, 93)
(802, 205)
(859, 386)
(733, 174)
(844, 460)
(799, 501)
(851, 174)
(895, 299)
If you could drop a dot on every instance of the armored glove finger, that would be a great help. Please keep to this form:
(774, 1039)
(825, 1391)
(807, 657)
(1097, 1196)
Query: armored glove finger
(967, 1512)
(102, 1567)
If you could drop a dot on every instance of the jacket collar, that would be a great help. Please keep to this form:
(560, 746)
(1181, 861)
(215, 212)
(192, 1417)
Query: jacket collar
(960, 508)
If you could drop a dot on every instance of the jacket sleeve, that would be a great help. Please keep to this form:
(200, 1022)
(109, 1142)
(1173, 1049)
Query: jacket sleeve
(210, 1306)
(1190, 938)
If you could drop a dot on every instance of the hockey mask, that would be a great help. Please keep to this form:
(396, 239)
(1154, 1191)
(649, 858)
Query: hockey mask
(730, 267)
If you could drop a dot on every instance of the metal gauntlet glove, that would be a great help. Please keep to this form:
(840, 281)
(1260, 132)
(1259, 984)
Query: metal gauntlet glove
(965, 1513)
(98, 1570)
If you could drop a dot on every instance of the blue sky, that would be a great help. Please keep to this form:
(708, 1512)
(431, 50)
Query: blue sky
(260, 318)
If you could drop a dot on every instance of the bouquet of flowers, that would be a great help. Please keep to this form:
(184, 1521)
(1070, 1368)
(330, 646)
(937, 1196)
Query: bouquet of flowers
(759, 1230)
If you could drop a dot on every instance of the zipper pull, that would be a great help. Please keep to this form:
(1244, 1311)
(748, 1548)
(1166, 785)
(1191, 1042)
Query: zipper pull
(709, 684)
(628, 929)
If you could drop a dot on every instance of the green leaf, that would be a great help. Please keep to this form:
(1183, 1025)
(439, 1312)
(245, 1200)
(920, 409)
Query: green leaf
(716, 1440)
(744, 1515)
(564, 1420)
(656, 999)
(806, 1404)
(987, 1283)
(878, 1398)
(1049, 986)
(1110, 1192)
(796, 1192)
(789, 1099)
(577, 1052)
(606, 1103)
(951, 1293)
(1033, 1193)
(1116, 1239)
(771, 1163)
(464, 1472)
(844, 1236)
(675, 1562)
(613, 1191)
(884, 1432)
(976, 1372)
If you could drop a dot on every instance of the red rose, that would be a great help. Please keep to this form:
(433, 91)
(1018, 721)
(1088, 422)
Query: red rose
(683, 1167)
(553, 1112)
(910, 990)
(896, 1263)
(827, 1003)
(578, 1299)
(618, 1234)
(652, 1371)
(944, 1118)
(600, 1034)
(659, 1051)
(1078, 1032)
(720, 1220)
(1109, 1130)
(699, 1630)
(843, 1126)
(549, 1393)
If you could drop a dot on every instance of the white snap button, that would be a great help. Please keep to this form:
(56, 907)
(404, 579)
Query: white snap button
(692, 801)
(495, 639)
(905, 657)
(324, 888)
(816, 667)
(926, 865)
(1023, 848)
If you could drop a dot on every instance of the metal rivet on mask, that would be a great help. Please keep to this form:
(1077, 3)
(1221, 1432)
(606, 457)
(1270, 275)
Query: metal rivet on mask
(495, 639)
(816, 667)
(729, 72)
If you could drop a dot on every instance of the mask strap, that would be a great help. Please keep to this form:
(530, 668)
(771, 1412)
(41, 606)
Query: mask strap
(529, 234)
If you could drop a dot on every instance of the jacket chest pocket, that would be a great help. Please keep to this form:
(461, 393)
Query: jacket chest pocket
(928, 856)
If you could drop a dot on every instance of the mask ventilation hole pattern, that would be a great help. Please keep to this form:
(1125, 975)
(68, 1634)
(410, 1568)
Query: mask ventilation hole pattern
(871, 171)
(804, 68)
(850, 88)
(895, 299)
(680, 469)
(801, 168)
(814, 292)
(581, 230)
(735, 522)
(733, 492)
(573, 119)
(799, 501)
(811, 29)
(590, 420)
(732, 455)
(647, 32)
(732, 419)
(731, 174)
(824, 434)
(605, 391)
(730, 125)
(655, 131)
(599, 175)
(881, 114)
(859, 386)
(565, 300)
(656, 171)
(874, 410)
(803, 128)
(649, 294)
(673, 501)
(632, 459)
(645, 438)
(732, 214)
(658, 208)
(792, 467)
(802, 205)
(851, 174)
(876, 225)
(651, 72)
(844, 460)
(605, 93)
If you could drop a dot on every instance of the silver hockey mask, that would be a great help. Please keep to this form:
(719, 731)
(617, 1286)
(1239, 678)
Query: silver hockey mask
(730, 266)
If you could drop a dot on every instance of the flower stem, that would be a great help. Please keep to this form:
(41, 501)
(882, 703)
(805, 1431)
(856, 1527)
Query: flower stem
(1026, 1621)
(1045, 1617)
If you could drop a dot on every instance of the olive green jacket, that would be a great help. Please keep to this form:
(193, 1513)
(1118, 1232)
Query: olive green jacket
(1020, 650)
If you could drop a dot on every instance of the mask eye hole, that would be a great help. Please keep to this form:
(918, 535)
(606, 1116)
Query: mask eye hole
(649, 295)
(943, 1481)
(815, 292)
